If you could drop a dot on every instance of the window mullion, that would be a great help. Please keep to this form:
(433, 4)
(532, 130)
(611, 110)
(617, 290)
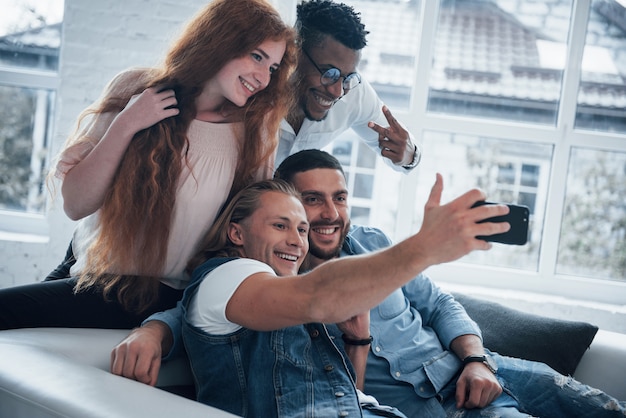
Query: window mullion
(426, 46)
(419, 98)
(490, 128)
(554, 210)
(574, 57)
(38, 155)
(29, 78)
(567, 114)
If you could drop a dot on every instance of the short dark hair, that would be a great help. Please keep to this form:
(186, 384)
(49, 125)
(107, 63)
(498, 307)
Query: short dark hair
(317, 19)
(306, 160)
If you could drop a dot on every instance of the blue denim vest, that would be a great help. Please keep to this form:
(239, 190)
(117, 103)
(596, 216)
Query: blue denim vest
(291, 372)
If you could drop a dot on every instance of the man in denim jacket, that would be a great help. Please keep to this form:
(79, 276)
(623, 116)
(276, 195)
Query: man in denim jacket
(257, 342)
(421, 335)
(252, 337)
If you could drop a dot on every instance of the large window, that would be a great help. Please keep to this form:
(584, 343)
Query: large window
(527, 100)
(496, 59)
(508, 171)
(30, 38)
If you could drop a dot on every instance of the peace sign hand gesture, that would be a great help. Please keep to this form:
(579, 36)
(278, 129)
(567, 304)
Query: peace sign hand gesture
(394, 141)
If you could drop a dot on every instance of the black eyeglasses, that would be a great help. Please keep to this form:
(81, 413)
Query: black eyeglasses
(332, 75)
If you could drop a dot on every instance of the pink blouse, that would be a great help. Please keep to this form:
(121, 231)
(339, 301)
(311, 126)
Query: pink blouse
(203, 188)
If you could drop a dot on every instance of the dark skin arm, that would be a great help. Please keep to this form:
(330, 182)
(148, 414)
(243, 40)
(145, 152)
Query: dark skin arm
(357, 328)
(477, 386)
(394, 140)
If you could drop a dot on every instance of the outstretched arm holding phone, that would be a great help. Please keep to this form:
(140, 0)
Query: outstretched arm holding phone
(448, 232)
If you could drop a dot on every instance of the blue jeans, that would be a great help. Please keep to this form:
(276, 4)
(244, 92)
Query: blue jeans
(529, 389)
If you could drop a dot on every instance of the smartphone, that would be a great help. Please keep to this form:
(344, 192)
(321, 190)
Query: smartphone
(517, 217)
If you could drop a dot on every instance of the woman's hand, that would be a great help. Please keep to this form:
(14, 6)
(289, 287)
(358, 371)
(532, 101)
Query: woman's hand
(148, 108)
(86, 184)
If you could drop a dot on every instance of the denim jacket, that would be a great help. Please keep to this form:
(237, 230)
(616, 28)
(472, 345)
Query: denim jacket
(413, 327)
(291, 372)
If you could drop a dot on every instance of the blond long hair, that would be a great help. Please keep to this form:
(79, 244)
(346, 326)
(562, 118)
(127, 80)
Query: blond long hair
(135, 218)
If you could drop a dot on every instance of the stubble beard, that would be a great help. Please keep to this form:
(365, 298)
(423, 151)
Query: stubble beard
(321, 254)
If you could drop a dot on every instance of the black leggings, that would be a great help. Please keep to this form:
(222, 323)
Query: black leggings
(63, 270)
(54, 304)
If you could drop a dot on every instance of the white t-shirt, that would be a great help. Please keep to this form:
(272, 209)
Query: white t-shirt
(207, 307)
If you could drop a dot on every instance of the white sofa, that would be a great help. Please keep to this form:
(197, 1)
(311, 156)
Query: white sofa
(63, 372)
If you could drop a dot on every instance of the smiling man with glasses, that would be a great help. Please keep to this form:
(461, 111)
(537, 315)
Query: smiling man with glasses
(332, 96)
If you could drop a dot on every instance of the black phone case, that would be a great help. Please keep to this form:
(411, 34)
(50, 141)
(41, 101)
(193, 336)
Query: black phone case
(518, 218)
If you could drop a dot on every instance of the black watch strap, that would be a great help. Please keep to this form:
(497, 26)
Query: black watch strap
(485, 359)
(350, 341)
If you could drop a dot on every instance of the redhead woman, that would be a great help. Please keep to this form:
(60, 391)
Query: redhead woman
(155, 159)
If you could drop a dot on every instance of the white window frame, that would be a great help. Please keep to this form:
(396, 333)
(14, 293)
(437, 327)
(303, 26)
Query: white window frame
(24, 226)
(562, 136)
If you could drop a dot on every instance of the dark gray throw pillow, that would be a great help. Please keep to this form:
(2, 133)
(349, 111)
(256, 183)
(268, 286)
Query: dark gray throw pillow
(510, 332)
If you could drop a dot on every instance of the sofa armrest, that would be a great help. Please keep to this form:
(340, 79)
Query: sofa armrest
(35, 382)
(92, 347)
(603, 366)
(64, 372)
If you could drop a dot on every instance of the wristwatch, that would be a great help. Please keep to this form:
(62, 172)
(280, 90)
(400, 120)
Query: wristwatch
(486, 359)
(417, 156)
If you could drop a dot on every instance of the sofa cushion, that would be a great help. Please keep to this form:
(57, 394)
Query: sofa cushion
(510, 332)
